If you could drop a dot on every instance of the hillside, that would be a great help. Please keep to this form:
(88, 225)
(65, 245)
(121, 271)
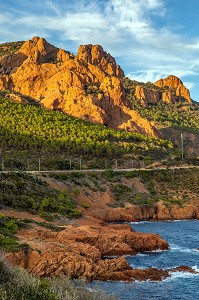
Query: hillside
(76, 239)
(91, 86)
(31, 131)
(87, 85)
(173, 117)
(10, 48)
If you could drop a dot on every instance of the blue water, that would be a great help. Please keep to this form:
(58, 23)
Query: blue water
(183, 237)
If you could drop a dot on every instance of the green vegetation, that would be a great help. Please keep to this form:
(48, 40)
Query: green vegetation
(181, 114)
(10, 48)
(8, 228)
(93, 89)
(34, 131)
(62, 204)
(171, 186)
(29, 193)
(144, 188)
(122, 190)
(178, 115)
(85, 205)
(17, 284)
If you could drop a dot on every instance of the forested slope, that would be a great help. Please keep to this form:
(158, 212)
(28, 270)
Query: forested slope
(36, 130)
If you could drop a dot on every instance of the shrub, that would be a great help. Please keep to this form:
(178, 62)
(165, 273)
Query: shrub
(62, 204)
(17, 284)
(85, 205)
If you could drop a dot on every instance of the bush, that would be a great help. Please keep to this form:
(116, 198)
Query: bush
(17, 284)
(85, 205)
(62, 204)
(8, 228)
(109, 174)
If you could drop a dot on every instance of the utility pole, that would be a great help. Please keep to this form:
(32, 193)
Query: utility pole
(2, 161)
(116, 164)
(39, 164)
(70, 162)
(182, 146)
(105, 164)
(28, 164)
(80, 164)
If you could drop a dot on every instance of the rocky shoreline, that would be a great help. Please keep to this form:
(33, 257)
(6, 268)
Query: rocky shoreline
(159, 212)
(80, 251)
(94, 246)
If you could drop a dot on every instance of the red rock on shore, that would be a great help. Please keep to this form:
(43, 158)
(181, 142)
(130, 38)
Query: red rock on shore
(79, 251)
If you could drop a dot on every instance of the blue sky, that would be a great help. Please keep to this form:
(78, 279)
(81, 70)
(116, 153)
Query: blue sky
(150, 39)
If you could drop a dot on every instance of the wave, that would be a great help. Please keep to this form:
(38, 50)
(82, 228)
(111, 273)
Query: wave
(174, 247)
(141, 254)
(139, 222)
(155, 221)
(195, 268)
(175, 275)
(155, 251)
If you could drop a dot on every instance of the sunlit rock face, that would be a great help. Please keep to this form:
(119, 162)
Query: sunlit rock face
(176, 88)
(88, 85)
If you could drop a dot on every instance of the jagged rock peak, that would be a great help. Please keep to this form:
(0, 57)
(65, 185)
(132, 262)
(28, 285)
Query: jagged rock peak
(170, 81)
(39, 45)
(95, 54)
(87, 86)
(175, 85)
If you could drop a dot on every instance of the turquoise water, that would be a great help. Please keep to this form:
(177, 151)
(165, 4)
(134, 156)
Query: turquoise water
(183, 237)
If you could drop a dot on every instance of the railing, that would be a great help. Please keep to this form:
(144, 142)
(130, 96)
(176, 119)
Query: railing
(46, 164)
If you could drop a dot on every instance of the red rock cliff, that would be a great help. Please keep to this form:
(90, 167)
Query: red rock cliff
(87, 86)
(175, 86)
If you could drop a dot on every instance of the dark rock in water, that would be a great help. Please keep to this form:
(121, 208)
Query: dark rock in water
(152, 274)
(184, 269)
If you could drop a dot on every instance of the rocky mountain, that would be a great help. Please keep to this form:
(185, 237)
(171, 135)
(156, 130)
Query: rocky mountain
(89, 85)
(175, 90)
(169, 90)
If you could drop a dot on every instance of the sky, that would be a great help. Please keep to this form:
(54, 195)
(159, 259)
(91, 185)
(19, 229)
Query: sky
(150, 39)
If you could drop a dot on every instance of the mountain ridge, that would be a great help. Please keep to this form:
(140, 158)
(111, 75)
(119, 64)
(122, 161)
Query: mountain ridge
(88, 85)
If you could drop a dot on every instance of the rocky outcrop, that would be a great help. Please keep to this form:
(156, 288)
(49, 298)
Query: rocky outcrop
(17, 98)
(78, 251)
(175, 88)
(146, 95)
(169, 90)
(95, 55)
(169, 97)
(36, 50)
(129, 213)
(133, 213)
(154, 274)
(87, 85)
(174, 212)
(55, 262)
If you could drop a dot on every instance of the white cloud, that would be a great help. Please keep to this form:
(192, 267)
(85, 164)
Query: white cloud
(125, 28)
(154, 75)
(193, 46)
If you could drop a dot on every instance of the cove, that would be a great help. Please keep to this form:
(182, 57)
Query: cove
(183, 238)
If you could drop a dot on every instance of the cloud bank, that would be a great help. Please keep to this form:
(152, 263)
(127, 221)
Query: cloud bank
(134, 31)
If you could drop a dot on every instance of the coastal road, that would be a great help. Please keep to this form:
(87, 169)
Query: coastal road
(102, 170)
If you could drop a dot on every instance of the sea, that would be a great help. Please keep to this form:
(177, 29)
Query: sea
(183, 238)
